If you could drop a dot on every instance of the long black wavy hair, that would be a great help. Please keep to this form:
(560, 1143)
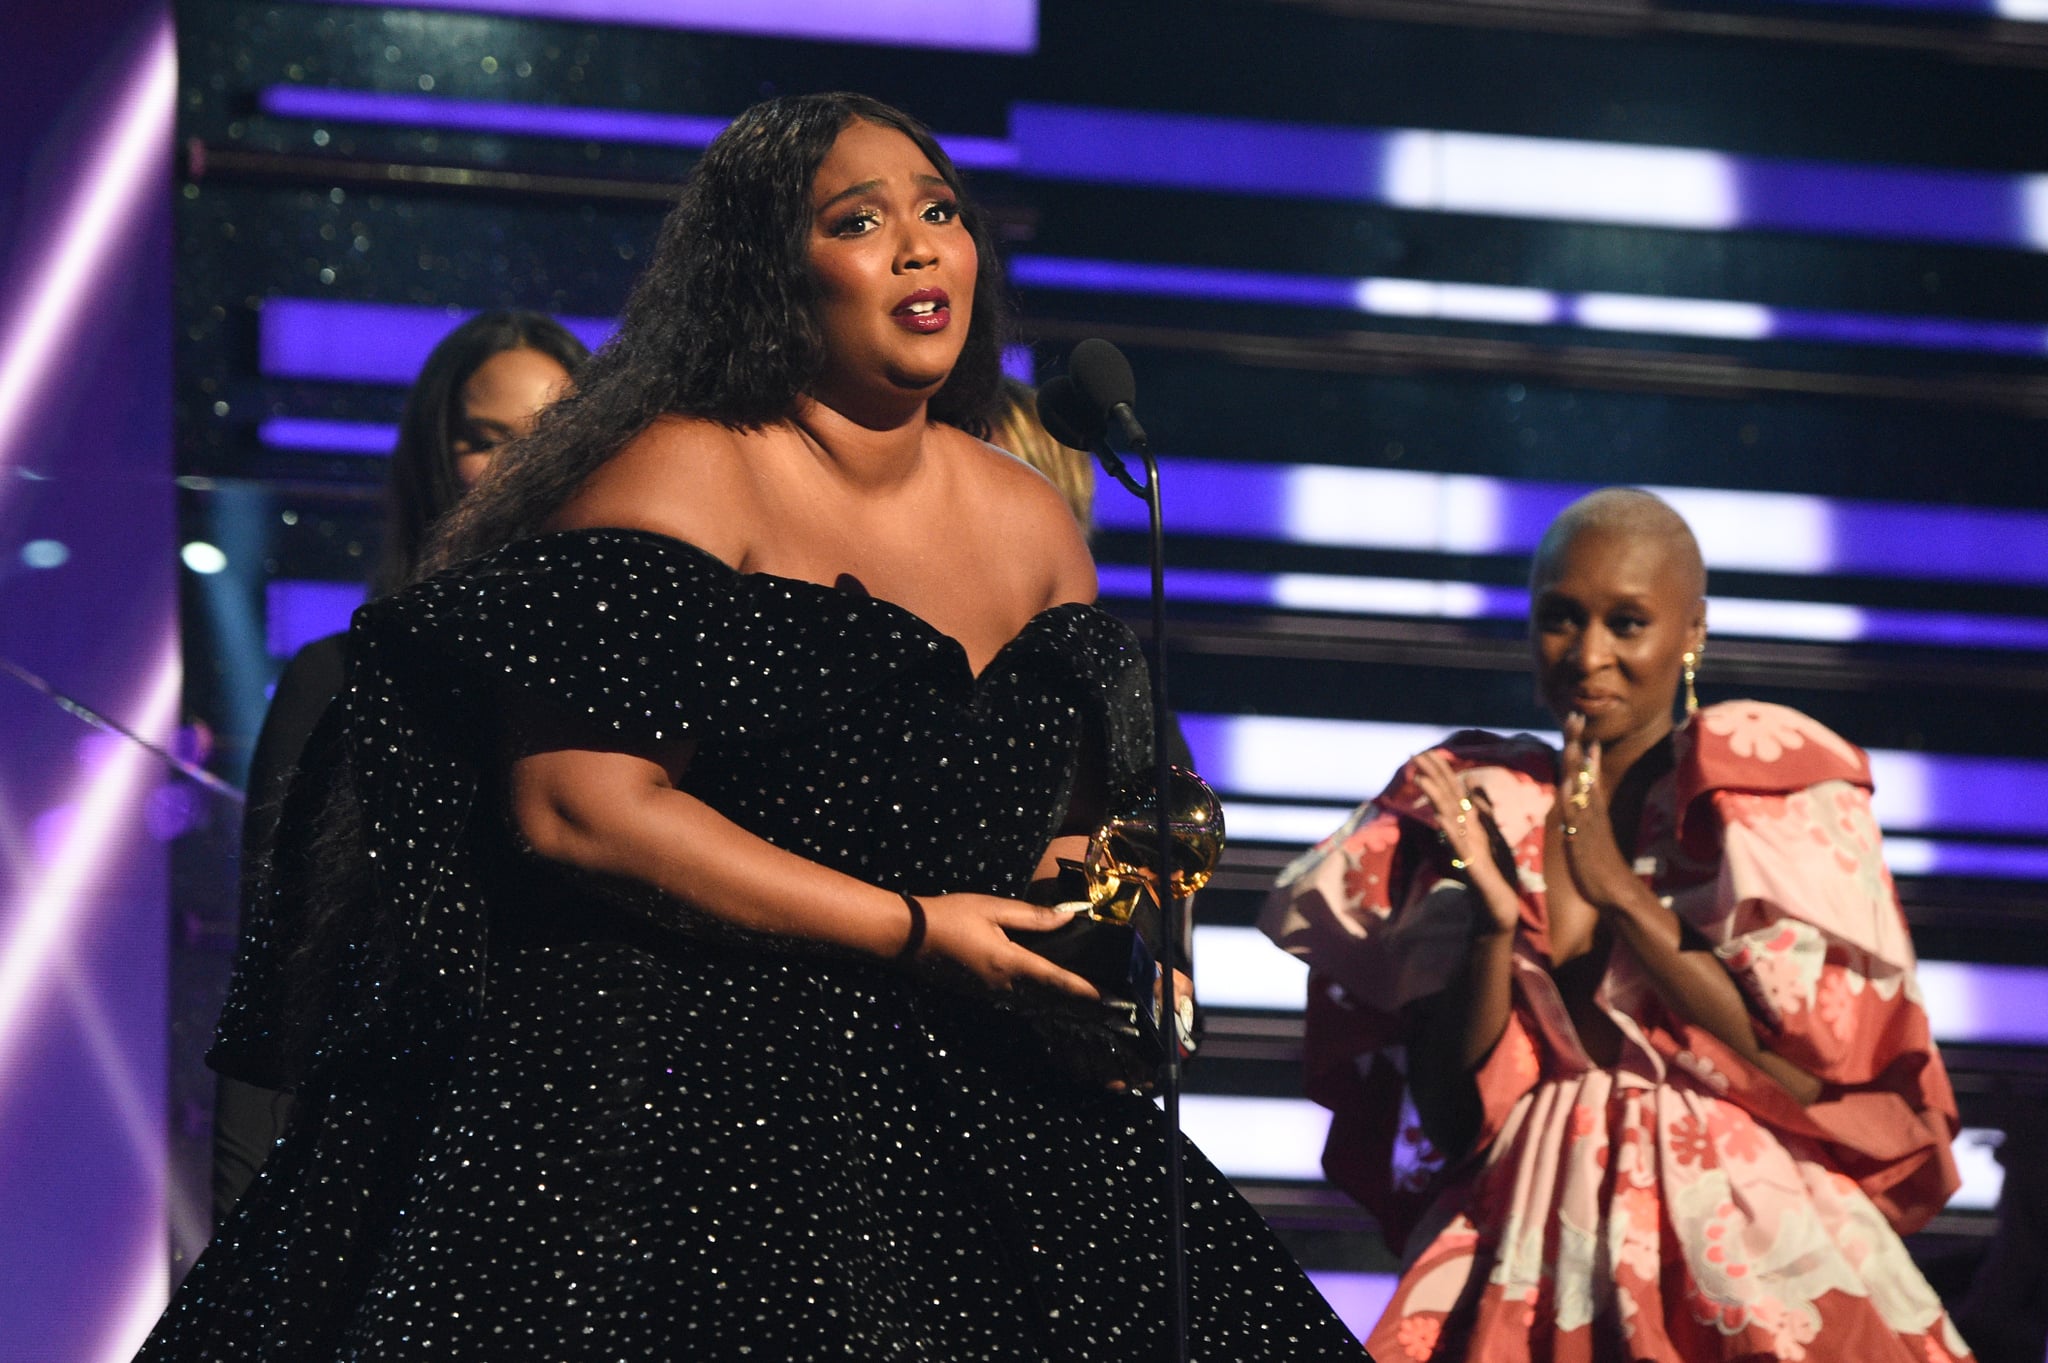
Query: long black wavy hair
(423, 485)
(723, 323)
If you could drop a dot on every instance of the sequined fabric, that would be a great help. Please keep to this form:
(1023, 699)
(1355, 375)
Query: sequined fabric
(553, 1121)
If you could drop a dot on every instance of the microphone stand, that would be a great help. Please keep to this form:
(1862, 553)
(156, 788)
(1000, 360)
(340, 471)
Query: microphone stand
(1170, 910)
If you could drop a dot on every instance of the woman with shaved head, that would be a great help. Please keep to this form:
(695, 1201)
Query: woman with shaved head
(1622, 1040)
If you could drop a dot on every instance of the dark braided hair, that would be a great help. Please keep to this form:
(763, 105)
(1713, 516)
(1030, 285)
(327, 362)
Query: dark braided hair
(723, 323)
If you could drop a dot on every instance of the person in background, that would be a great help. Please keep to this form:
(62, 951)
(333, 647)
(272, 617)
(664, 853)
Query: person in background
(1623, 1041)
(482, 385)
(1017, 430)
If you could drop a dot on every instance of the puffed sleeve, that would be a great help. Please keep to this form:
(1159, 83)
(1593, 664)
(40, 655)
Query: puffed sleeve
(1807, 921)
(1382, 924)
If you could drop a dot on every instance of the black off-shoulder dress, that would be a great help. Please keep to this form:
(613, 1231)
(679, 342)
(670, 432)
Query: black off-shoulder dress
(555, 1119)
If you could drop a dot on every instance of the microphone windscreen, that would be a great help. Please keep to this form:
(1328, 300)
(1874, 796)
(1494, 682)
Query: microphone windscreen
(1103, 376)
(1067, 416)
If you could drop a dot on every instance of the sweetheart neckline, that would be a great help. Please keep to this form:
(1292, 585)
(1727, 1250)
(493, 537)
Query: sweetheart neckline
(844, 594)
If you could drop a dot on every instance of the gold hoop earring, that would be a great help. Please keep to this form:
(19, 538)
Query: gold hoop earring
(1692, 699)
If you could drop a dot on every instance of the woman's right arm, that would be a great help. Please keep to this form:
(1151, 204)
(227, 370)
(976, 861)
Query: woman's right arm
(1450, 1034)
(623, 815)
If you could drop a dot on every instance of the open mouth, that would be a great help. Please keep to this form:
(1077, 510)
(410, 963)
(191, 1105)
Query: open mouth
(924, 311)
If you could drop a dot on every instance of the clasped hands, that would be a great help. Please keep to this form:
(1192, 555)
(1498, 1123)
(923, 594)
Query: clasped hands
(1579, 823)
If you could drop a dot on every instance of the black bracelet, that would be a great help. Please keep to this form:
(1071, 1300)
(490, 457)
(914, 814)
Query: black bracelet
(915, 942)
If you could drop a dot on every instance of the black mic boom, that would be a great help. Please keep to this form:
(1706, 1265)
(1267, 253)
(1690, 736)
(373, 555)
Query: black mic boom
(1066, 415)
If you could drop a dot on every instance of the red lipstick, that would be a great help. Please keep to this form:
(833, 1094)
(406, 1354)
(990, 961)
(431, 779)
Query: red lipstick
(926, 311)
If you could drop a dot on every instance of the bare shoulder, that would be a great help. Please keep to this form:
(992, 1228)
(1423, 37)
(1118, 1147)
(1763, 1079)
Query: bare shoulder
(1021, 510)
(683, 477)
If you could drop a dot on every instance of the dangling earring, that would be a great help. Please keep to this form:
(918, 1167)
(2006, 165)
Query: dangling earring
(1692, 699)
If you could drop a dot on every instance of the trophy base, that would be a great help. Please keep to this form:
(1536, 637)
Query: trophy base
(1117, 1039)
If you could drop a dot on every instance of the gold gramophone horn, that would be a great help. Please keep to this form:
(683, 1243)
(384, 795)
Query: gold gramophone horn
(1125, 849)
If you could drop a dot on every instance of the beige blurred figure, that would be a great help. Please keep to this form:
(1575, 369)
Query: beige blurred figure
(1018, 431)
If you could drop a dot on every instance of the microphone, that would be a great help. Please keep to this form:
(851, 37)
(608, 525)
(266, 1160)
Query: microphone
(1103, 377)
(1066, 415)
(1072, 418)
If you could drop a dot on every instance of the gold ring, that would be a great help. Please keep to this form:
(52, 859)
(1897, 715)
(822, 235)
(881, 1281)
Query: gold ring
(1464, 804)
(1570, 831)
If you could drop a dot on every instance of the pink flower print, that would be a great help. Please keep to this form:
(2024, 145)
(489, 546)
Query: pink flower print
(1762, 732)
(1733, 1133)
(1690, 1143)
(1835, 1003)
(1583, 1120)
(1418, 1335)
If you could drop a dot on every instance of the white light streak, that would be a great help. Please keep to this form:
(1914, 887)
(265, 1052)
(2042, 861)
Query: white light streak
(1239, 968)
(141, 1300)
(1257, 1137)
(1673, 316)
(36, 929)
(1761, 619)
(1455, 302)
(2034, 195)
(1538, 177)
(1767, 532)
(203, 558)
(1392, 509)
(1378, 595)
(1904, 797)
(130, 159)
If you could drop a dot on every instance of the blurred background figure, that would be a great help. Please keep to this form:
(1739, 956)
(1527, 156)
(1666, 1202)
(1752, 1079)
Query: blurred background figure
(482, 386)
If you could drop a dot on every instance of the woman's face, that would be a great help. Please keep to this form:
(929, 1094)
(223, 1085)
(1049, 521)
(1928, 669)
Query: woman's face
(499, 403)
(1611, 618)
(895, 269)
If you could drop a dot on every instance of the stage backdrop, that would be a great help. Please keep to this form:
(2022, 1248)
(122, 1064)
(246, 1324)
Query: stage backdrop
(1397, 278)
(88, 604)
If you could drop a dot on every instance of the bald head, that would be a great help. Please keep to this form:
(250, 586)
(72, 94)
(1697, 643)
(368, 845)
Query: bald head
(1624, 513)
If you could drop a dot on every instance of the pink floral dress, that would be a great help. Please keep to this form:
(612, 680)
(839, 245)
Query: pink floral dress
(1677, 1205)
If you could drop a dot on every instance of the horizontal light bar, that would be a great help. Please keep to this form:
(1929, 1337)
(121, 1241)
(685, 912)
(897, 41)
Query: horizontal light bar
(1766, 532)
(1005, 26)
(1344, 760)
(386, 343)
(2034, 11)
(296, 612)
(1968, 1003)
(382, 343)
(327, 437)
(583, 123)
(1358, 1299)
(1647, 314)
(1282, 1138)
(1740, 617)
(1418, 169)
(1526, 177)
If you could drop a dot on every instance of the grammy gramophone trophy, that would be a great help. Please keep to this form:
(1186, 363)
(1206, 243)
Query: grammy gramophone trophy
(1113, 933)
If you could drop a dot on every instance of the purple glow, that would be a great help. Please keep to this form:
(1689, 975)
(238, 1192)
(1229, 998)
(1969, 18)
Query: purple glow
(1359, 1299)
(693, 131)
(329, 437)
(127, 161)
(1276, 757)
(1005, 26)
(303, 338)
(295, 613)
(1469, 172)
(1753, 531)
(1019, 364)
(1755, 618)
(1714, 318)
(1881, 201)
(36, 930)
(1191, 151)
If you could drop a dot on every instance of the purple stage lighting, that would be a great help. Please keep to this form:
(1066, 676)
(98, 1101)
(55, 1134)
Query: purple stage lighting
(1510, 306)
(1003, 26)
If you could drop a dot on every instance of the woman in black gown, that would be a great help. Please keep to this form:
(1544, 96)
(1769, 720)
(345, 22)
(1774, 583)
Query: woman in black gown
(671, 957)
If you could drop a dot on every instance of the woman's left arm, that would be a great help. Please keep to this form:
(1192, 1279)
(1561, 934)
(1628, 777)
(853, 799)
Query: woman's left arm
(1688, 977)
